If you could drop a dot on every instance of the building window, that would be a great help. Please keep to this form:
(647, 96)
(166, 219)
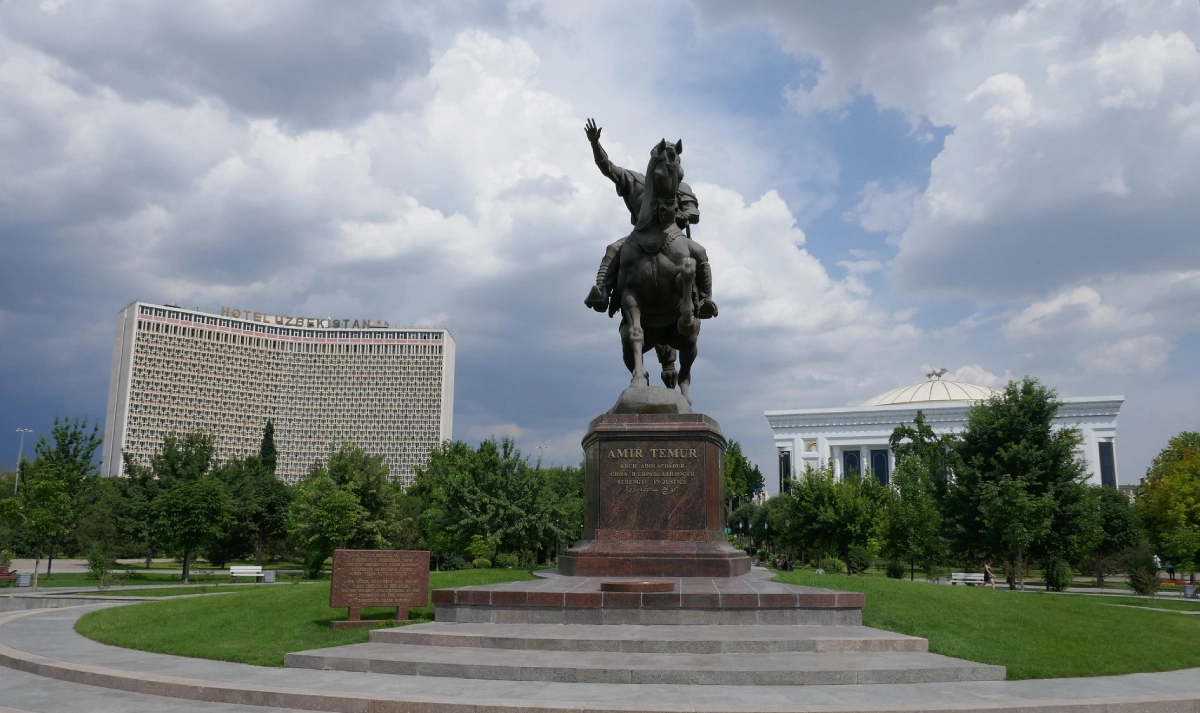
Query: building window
(879, 465)
(785, 470)
(1108, 465)
(850, 465)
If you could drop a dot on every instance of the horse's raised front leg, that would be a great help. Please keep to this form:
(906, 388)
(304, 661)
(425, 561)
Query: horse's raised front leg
(636, 337)
(687, 355)
(689, 326)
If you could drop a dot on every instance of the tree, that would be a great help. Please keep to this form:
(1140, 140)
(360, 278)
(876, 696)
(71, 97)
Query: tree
(562, 489)
(347, 501)
(1014, 519)
(41, 508)
(267, 454)
(190, 507)
(189, 514)
(324, 516)
(134, 512)
(1018, 489)
(912, 521)
(742, 478)
(824, 515)
(934, 453)
(1169, 500)
(366, 477)
(71, 459)
(260, 505)
(491, 492)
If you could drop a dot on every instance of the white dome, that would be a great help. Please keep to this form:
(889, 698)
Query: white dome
(933, 390)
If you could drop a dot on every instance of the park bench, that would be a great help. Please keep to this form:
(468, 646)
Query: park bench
(246, 570)
(7, 576)
(969, 579)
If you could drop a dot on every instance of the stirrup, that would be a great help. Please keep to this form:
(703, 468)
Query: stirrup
(707, 309)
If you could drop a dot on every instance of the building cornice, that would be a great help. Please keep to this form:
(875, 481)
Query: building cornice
(935, 412)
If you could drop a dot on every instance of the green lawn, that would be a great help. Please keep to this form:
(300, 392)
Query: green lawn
(1035, 635)
(255, 625)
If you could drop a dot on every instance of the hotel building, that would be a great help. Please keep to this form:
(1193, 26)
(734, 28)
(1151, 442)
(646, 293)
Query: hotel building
(322, 381)
(855, 439)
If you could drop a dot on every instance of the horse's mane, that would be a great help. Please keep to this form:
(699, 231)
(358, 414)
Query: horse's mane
(649, 200)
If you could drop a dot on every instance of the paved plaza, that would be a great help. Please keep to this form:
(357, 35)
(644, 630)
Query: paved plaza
(46, 667)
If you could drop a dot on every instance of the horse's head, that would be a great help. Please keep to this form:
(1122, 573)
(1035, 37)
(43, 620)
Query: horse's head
(664, 174)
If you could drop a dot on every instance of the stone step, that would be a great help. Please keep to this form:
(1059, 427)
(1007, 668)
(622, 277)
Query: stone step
(792, 668)
(699, 639)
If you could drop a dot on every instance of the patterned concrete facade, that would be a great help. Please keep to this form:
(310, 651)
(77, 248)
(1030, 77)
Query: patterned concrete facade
(389, 390)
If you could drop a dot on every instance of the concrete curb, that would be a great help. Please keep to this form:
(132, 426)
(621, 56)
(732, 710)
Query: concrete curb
(350, 702)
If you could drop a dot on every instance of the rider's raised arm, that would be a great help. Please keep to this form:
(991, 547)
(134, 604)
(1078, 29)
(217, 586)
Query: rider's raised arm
(628, 183)
(612, 172)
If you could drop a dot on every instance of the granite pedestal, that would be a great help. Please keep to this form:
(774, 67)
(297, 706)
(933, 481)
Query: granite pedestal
(655, 503)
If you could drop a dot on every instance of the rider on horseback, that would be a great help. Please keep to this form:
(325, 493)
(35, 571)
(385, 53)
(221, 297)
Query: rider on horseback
(630, 186)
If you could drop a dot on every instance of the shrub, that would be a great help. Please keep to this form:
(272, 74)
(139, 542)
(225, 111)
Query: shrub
(832, 564)
(481, 563)
(5, 558)
(100, 567)
(451, 563)
(1058, 575)
(763, 555)
(508, 561)
(1143, 575)
(314, 563)
(859, 560)
(894, 569)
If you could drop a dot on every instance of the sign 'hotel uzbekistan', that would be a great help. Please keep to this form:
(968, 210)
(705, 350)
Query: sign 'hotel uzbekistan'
(310, 322)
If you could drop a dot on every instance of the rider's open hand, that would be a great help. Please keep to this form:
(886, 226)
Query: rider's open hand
(592, 131)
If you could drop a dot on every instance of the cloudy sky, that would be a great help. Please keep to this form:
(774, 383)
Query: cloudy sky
(1000, 188)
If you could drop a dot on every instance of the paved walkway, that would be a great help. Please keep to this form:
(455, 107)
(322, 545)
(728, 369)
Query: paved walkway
(44, 642)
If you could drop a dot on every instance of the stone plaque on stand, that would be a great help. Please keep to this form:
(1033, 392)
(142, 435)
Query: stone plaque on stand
(654, 500)
(378, 578)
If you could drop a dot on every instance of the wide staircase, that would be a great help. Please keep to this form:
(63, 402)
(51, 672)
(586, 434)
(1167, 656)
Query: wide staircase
(512, 642)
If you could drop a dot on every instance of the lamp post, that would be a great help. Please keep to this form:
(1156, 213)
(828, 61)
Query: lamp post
(20, 454)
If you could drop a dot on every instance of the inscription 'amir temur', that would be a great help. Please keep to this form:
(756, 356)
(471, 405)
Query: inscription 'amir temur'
(654, 453)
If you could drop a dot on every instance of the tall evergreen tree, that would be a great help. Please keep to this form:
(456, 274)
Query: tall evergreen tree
(267, 454)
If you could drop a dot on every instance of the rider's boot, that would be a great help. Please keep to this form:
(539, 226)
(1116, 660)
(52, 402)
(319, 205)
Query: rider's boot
(707, 308)
(596, 299)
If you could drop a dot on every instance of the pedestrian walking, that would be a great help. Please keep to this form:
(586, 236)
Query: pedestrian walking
(989, 579)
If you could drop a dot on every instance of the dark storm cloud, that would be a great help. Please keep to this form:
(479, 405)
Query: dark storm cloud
(310, 64)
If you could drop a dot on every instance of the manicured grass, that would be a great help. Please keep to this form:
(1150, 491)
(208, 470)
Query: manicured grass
(255, 625)
(1034, 635)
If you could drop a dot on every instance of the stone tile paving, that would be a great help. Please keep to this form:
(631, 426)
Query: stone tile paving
(28, 693)
(50, 634)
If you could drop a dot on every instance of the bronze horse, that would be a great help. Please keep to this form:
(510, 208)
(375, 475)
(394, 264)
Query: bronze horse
(657, 275)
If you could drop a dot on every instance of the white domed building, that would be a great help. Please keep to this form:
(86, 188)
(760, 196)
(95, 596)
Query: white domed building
(855, 438)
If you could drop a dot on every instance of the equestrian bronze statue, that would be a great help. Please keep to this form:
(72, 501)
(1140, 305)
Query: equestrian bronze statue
(657, 276)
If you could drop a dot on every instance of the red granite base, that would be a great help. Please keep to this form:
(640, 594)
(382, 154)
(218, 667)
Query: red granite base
(557, 599)
(653, 558)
